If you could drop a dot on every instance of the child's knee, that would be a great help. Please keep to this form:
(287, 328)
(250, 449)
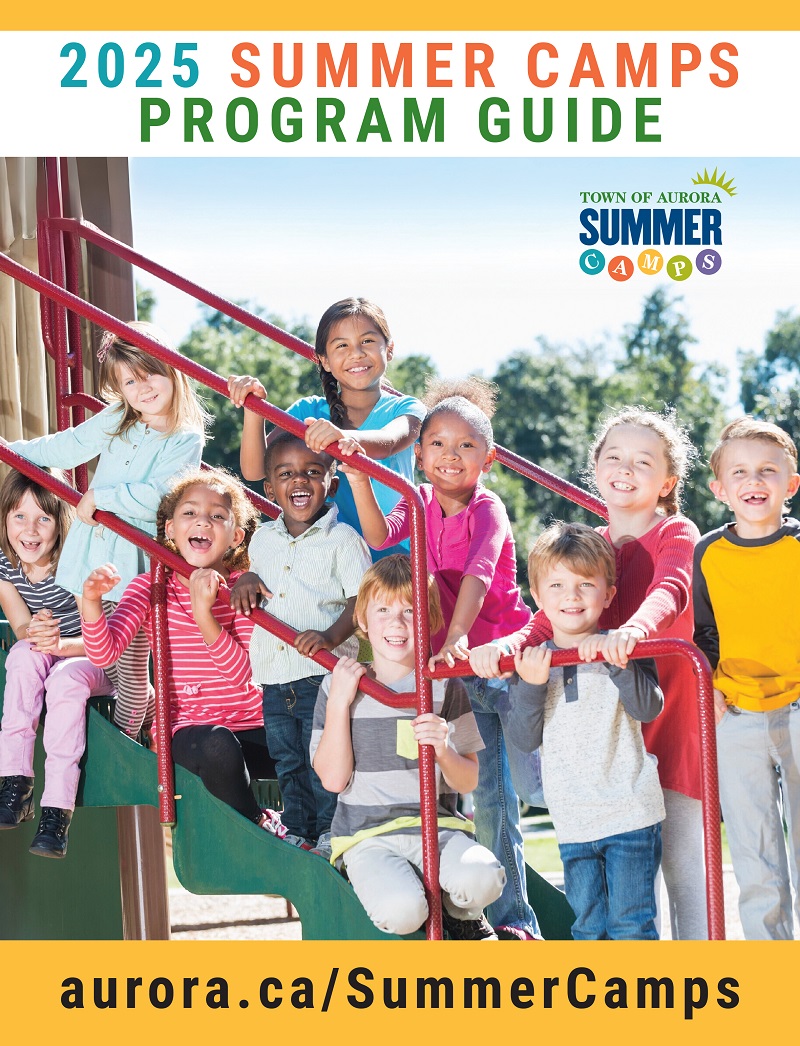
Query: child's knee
(400, 915)
(23, 653)
(477, 879)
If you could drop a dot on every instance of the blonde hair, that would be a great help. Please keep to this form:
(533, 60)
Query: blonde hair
(14, 488)
(679, 451)
(221, 482)
(583, 550)
(186, 413)
(390, 578)
(751, 428)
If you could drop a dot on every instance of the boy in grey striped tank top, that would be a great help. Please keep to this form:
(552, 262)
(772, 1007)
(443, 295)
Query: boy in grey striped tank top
(368, 753)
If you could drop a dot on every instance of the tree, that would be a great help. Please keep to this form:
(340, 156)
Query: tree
(145, 303)
(409, 374)
(224, 346)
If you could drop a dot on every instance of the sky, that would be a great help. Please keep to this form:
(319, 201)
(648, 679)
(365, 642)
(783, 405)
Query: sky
(470, 259)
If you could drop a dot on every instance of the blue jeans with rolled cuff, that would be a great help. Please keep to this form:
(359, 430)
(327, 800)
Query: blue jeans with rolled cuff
(288, 717)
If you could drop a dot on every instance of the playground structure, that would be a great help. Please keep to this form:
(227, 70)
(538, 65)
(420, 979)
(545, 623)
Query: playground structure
(214, 849)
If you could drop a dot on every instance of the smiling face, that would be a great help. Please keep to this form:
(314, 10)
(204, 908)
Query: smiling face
(572, 602)
(32, 534)
(453, 455)
(388, 623)
(631, 469)
(203, 527)
(299, 481)
(755, 477)
(356, 353)
(149, 395)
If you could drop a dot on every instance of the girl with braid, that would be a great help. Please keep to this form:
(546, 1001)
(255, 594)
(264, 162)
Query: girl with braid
(353, 347)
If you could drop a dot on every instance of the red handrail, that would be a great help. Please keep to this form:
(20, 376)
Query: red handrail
(90, 233)
(715, 898)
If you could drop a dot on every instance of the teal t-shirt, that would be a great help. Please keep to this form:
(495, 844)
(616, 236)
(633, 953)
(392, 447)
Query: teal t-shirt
(385, 411)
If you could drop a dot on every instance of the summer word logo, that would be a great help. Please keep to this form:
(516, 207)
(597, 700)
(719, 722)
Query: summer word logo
(667, 237)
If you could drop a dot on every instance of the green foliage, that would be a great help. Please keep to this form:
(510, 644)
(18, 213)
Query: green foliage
(771, 380)
(409, 374)
(145, 303)
(224, 346)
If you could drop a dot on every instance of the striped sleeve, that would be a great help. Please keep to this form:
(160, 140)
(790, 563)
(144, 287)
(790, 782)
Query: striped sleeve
(229, 651)
(105, 639)
(457, 710)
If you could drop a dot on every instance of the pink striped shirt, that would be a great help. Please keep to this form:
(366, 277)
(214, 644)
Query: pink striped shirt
(208, 685)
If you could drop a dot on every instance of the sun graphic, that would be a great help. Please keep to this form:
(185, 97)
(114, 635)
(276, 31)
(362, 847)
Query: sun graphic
(714, 179)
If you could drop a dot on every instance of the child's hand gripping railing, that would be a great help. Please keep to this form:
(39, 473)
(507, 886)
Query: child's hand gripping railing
(657, 648)
(72, 230)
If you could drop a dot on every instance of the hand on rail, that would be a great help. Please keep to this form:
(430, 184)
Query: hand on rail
(86, 508)
(533, 664)
(44, 632)
(350, 445)
(431, 729)
(615, 646)
(344, 681)
(485, 661)
(248, 592)
(320, 433)
(311, 642)
(203, 587)
(720, 706)
(100, 581)
(240, 387)
(455, 648)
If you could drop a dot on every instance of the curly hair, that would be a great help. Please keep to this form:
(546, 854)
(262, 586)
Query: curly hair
(473, 399)
(679, 451)
(347, 308)
(221, 482)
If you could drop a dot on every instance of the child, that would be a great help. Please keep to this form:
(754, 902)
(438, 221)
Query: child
(747, 624)
(471, 555)
(217, 722)
(45, 661)
(639, 460)
(153, 428)
(353, 347)
(368, 752)
(313, 564)
(600, 785)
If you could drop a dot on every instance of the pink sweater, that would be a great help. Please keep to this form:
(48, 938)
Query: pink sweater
(208, 685)
(476, 542)
(654, 593)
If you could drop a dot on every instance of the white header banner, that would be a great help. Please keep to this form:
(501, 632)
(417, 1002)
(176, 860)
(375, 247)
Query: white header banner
(489, 94)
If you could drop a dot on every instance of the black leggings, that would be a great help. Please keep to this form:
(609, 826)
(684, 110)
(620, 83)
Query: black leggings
(224, 760)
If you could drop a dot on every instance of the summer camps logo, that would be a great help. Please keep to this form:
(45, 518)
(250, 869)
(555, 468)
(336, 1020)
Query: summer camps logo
(667, 235)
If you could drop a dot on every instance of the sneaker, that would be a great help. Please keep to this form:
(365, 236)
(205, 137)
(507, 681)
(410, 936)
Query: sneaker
(515, 933)
(271, 822)
(323, 847)
(297, 840)
(467, 929)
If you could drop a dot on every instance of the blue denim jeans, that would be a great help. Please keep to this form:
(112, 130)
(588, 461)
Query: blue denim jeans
(610, 885)
(288, 717)
(497, 809)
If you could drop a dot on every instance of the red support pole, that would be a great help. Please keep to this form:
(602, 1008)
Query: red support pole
(715, 896)
(163, 721)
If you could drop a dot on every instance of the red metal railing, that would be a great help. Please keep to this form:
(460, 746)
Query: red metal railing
(657, 648)
(59, 257)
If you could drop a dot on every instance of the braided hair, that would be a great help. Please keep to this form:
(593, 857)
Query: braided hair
(347, 308)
